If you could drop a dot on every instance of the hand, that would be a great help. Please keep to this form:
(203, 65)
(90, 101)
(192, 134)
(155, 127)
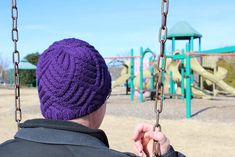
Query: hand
(143, 137)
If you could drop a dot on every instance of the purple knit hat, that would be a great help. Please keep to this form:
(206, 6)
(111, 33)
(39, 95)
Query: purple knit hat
(73, 80)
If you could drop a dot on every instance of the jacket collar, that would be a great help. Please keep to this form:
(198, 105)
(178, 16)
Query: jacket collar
(61, 132)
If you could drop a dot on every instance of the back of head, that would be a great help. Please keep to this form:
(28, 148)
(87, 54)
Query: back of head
(73, 80)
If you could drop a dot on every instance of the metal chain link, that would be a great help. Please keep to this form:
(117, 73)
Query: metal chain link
(16, 61)
(161, 63)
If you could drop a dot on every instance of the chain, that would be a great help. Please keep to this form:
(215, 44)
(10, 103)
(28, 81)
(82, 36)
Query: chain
(161, 63)
(16, 61)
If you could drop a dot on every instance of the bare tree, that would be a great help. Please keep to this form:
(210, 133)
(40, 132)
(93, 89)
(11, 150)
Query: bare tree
(4, 63)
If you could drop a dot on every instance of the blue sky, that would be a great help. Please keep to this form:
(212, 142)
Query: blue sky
(112, 26)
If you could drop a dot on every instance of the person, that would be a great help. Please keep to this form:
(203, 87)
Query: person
(73, 86)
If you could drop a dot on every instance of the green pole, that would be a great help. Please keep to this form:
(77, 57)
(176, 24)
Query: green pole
(191, 43)
(141, 74)
(151, 69)
(187, 47)
(182, 77)
(191, 49)
(132, 71)
(11, 77)
(173, 45)
(188, 85)
(174, 91)
(171, 84)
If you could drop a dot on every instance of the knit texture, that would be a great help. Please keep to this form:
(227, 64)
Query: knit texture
(73, 80)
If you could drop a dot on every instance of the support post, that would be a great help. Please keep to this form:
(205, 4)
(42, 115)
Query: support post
(191, 43)
(173, 45)
(191, 49)
(11, 77)
(141, 75)
(182, 77)
(188, 86)
(171, 85)
(132, 72)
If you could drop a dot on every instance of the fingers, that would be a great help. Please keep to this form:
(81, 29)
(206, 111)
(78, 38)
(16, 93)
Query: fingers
(139, 145)
(140, 130)
(158, 136)
(146, 131)
(141, 136)
(162, 140)
(136, 150)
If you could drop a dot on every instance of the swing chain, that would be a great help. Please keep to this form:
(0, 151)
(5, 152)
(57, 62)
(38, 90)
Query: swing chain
(16, 61)
(161, 64)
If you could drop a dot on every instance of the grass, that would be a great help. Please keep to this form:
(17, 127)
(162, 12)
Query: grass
(230, 78)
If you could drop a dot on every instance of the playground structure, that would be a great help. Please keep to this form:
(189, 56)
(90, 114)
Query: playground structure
(181, 69)
(136, 74)
(24, 65)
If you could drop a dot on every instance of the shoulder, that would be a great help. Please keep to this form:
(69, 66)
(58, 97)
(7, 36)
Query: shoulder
(24, 148)
(8, 142)
(98, 151)
(20, 147)
(6, 147)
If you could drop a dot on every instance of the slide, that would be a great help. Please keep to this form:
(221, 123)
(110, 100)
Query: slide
(215, 78)
(121, 80)
(125, 75)
(173, 66)
(146, 80)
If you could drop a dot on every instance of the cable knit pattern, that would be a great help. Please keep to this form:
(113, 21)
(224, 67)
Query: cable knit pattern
(73, 80)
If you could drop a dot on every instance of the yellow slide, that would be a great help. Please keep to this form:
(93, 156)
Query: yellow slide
(217, 78)
(173, 66)
(125, 75)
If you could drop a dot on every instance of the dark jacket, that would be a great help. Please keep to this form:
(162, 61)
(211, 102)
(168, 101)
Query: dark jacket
(50, 138)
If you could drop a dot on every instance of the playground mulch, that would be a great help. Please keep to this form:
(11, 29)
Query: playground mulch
(210, 131)
(219, 109)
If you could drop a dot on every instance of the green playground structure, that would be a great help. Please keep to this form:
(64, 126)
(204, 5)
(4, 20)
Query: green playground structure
(183, 31)
(24, 65)
(181, 68)
(128, 73)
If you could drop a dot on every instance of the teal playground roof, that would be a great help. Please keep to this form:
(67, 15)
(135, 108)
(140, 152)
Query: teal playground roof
(24, 65)
(183, 31)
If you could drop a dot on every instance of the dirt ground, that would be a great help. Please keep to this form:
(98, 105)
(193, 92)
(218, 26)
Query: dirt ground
(210, 132)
